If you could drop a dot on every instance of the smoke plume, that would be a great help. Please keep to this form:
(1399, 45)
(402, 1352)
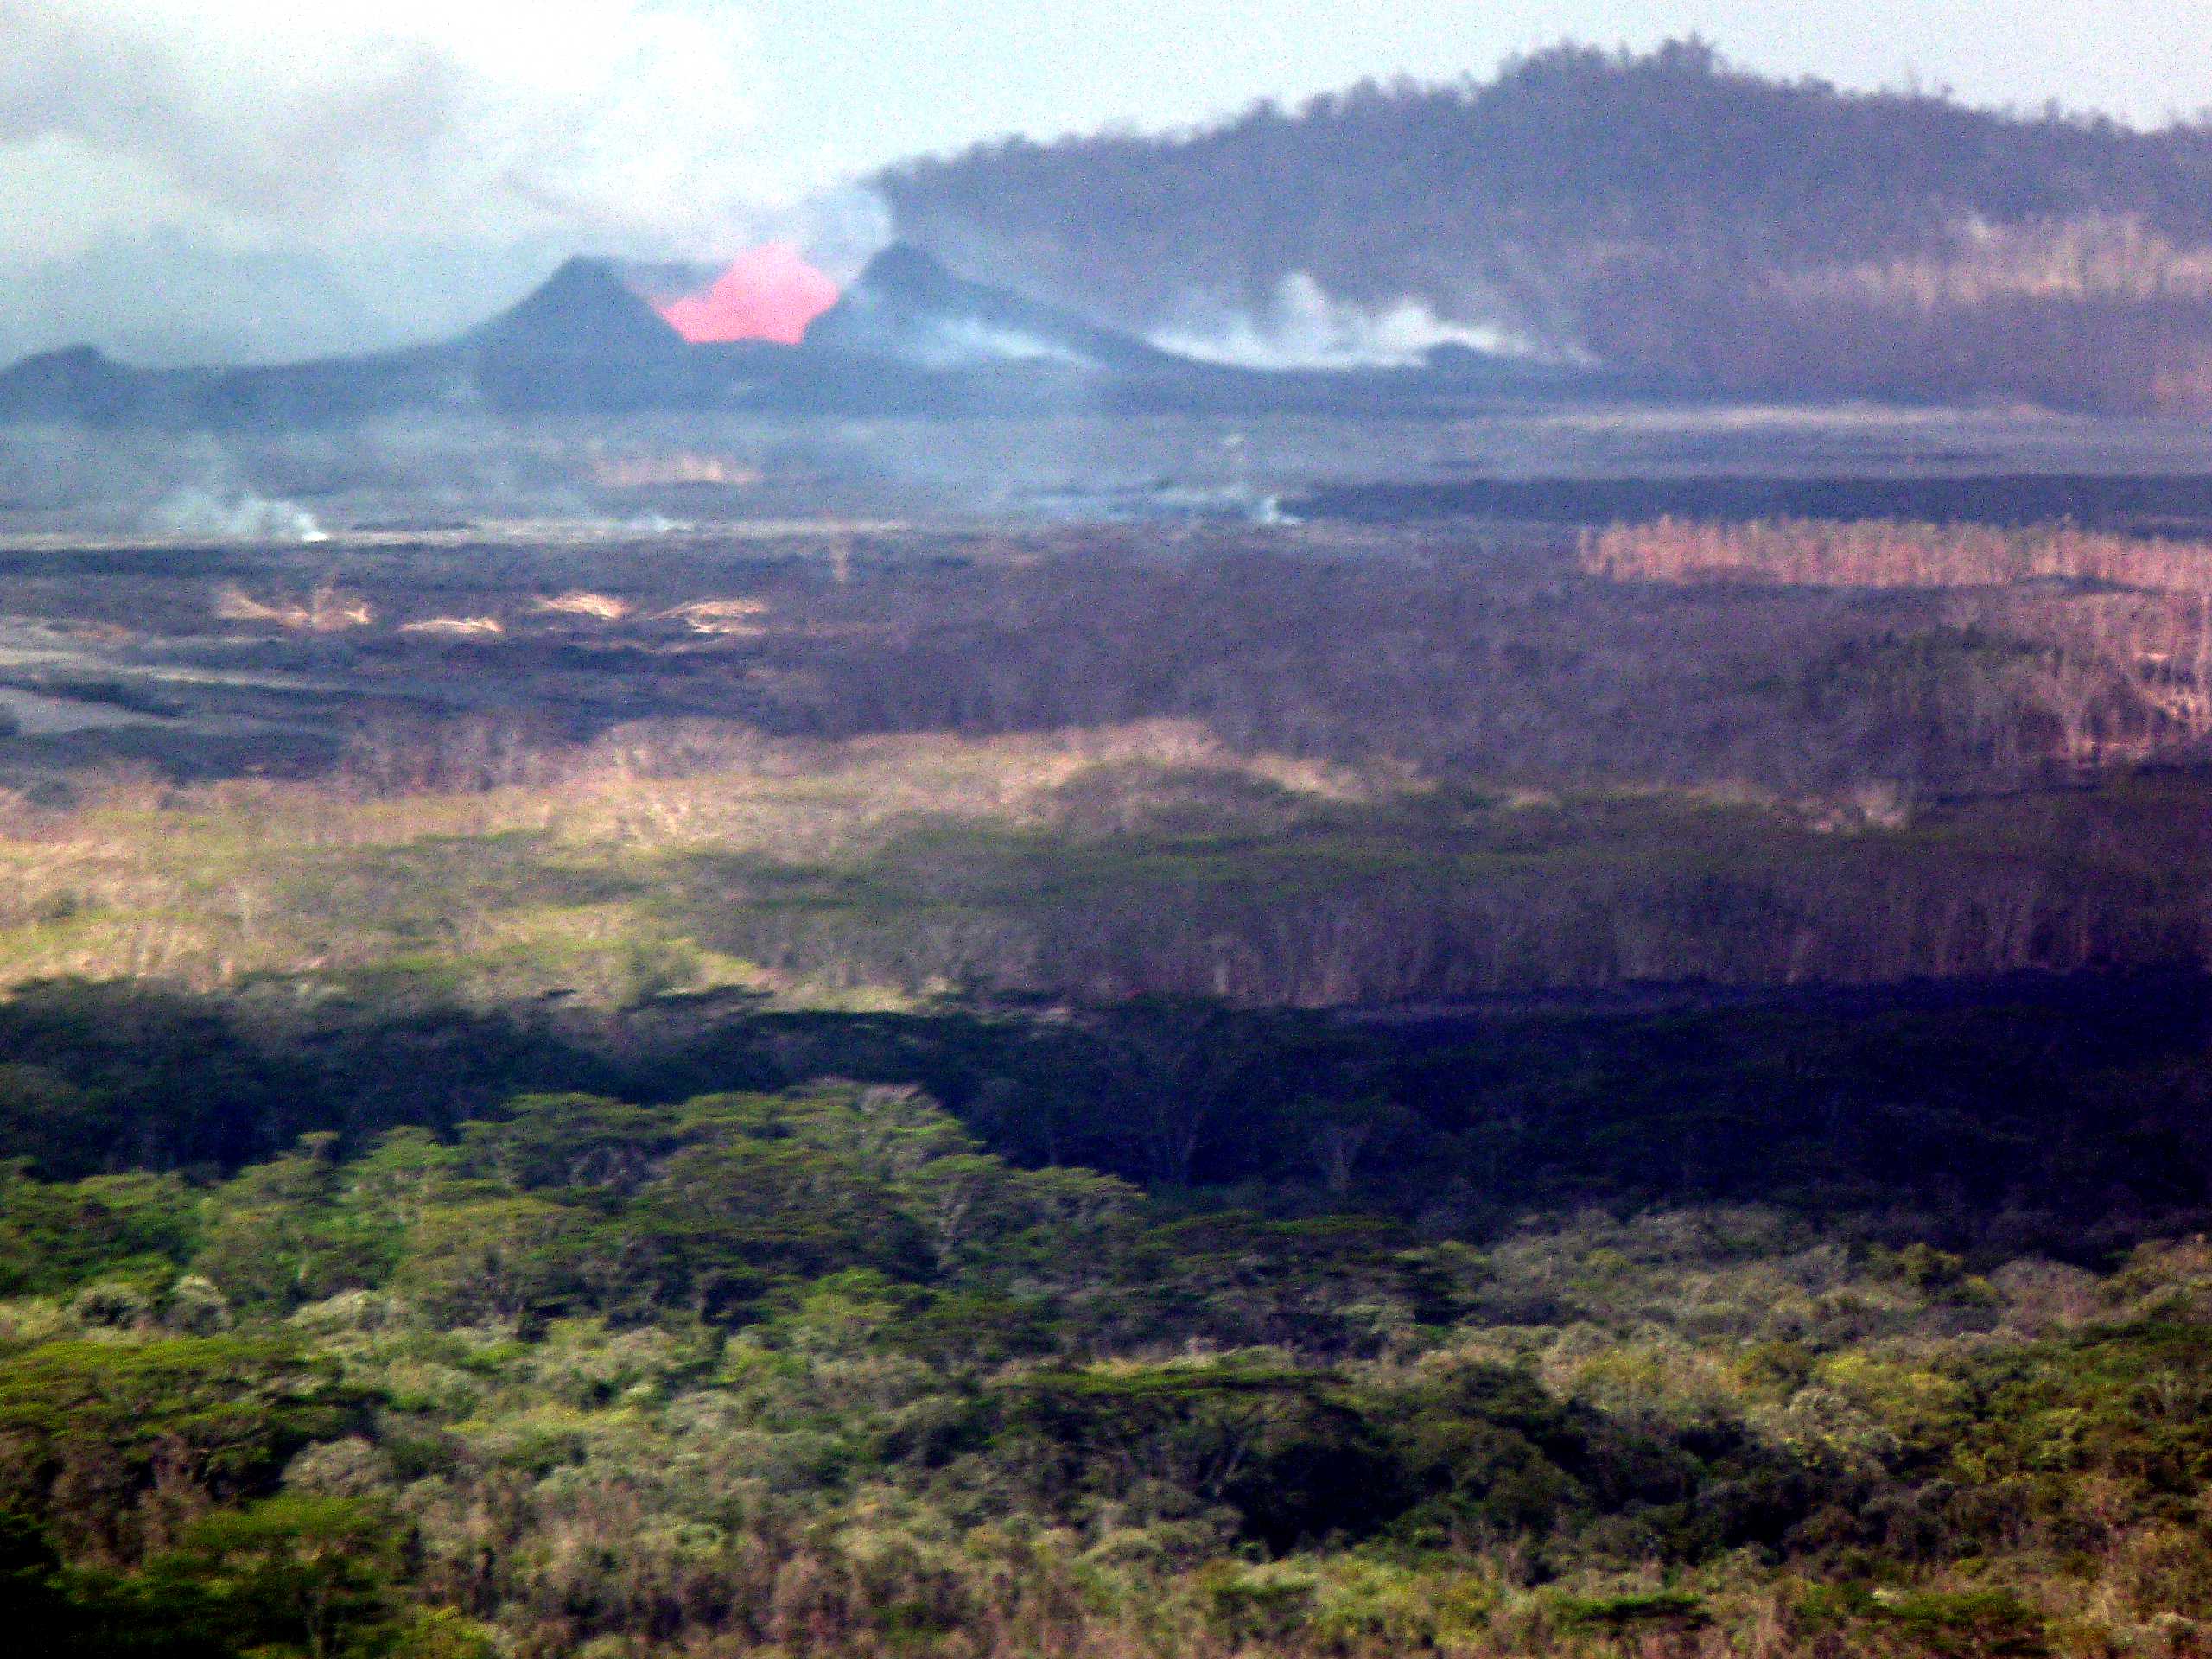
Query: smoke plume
(200, 513)
(1303, 326)
(336, 153)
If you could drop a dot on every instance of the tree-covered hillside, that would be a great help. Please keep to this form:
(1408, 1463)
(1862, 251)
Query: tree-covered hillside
(1664, 211)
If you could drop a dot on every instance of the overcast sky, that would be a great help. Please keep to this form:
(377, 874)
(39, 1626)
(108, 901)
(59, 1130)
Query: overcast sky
(296, 175)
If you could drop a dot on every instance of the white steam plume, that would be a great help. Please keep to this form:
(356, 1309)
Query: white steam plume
(263, 137)
(1303, 326)
(365, 118)
(248, 518)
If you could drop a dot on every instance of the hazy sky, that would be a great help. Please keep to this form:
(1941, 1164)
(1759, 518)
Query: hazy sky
(255, 176)
(877, 78)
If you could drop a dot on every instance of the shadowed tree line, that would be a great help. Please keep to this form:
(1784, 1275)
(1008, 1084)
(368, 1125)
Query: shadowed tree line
(2056, 1113)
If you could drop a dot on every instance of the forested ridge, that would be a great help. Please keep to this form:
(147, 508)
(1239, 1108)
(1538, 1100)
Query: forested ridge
(1664, 211)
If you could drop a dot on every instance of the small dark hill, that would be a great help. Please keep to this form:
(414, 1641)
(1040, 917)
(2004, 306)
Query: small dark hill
(582, 341)
(908, 307)
(80, 383)
(582, 310)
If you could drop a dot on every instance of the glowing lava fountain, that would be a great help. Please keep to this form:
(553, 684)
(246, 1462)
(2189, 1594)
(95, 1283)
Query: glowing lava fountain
(769, 292)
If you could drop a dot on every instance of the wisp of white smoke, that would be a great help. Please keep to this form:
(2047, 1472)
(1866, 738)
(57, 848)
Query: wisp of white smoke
(1303, 326)
(241, 519)
(357, 118)
(970, 342)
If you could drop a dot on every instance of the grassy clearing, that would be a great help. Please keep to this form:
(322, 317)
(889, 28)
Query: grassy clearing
(1147, 860)
(524, 891)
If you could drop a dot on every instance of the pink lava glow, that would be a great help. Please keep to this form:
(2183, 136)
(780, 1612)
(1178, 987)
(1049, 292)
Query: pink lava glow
(768, 293)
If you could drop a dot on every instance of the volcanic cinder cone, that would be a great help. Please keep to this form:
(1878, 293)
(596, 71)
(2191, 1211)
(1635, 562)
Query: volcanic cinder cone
(583, 310)
(583, 340)
(907, 306)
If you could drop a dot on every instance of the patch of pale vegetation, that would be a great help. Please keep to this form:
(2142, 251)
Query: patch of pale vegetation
(480, 889)
(328, 610)
(735, 619)
(1887, 553)
(2095, 257)
(600, 608)
(457, 627)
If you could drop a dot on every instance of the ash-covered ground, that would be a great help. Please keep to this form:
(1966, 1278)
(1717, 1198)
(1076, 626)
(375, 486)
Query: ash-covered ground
(208, 604)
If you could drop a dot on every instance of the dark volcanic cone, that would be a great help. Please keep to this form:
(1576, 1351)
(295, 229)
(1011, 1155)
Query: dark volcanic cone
(908, 307)
(583, 339)
(582, 310)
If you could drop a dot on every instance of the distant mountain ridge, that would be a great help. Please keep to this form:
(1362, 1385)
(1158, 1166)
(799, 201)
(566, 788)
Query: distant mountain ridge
(1662, 212)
